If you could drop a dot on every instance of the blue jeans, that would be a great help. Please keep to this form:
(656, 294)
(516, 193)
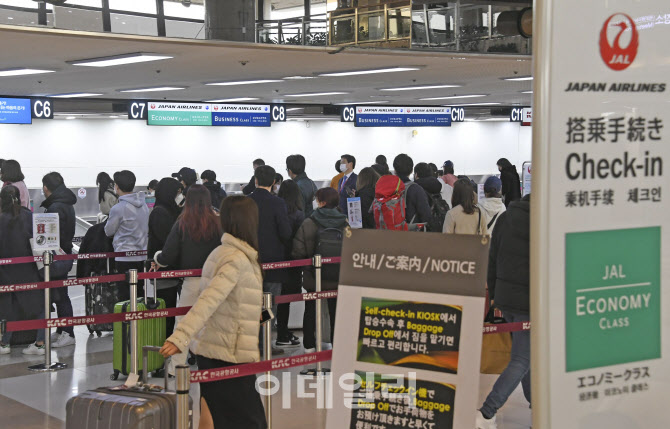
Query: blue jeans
(518, 370)
(7, 337)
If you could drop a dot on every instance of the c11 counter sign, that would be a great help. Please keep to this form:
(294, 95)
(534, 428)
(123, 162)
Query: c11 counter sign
(601, 230)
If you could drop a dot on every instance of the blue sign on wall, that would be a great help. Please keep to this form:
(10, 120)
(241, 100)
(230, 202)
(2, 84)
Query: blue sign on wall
(15, 111)
(403, 116)
(241, 115)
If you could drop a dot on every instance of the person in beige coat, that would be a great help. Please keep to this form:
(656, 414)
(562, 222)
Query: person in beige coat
(465, 217)
(222, 326)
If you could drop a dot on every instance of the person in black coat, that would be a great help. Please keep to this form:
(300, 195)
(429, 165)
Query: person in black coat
(293, 197)
(15, 233)
(508, 281)
(161, 220)
(214, 187)
(418, 206)
(365, 190)
(511, 183)
(61, 200)
(274, 229)
(251, 187)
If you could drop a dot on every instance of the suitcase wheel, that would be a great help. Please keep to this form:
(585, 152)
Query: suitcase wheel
(191, 359)
(114, 376)
(99, 333)
(90, 331)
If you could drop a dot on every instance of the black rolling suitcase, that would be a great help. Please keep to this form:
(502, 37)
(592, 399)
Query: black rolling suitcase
(100, 299)
(124, 408)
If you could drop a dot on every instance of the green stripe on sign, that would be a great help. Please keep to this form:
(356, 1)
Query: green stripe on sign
(179, 118)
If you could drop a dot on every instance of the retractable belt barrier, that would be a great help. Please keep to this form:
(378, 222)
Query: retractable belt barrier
(73, 257)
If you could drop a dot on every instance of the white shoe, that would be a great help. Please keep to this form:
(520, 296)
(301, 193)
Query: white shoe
(54, 337)
(34, 349)
(5, 349)
(312, 350)
(63, 340)
(482, 423)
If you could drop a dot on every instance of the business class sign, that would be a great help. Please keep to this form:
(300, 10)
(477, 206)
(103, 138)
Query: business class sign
(201, 114)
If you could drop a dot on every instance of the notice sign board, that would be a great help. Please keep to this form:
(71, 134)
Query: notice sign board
(415, 340)
(402, 116)
(601, 135)
(46, 231)
(199, 114)
(15, 111)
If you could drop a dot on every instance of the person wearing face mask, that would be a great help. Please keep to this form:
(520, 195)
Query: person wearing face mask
(336, 180)
(187, 177)
(295, 166)
(128, 223)
(279, 179)
(347, 185)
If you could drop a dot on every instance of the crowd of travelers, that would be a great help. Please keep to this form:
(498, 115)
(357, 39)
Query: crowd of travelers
(196, 225)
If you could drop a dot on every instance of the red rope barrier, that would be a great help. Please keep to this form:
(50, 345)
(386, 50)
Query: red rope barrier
(243, 370)
(506, 327)
(310, 296)
(73, 257)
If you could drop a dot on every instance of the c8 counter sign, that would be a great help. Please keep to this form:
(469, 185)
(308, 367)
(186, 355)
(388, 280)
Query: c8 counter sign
(278, 113)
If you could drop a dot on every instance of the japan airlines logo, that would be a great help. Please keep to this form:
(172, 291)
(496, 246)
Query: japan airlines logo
(216, 108)
(153, 106)
(613, 54)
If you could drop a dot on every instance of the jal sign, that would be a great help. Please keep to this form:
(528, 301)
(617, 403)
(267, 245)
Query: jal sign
(368, 116)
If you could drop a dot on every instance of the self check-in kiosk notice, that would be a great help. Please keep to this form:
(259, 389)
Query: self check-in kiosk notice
(408, 332)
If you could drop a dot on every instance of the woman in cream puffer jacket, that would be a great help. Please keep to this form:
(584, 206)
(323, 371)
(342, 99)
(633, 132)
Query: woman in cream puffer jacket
(222, 326)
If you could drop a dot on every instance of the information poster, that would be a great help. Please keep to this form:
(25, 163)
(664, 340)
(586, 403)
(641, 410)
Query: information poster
(526, 178)
(46, 231)
(355, 212)
(413, 346)
(601, 135)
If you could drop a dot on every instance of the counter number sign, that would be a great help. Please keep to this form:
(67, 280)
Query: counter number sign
(457, 114)
(348, 114)
(278, 113)
(41, 108)
(137, 110)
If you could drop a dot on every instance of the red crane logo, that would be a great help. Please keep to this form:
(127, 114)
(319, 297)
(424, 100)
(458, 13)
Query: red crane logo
(614, 56)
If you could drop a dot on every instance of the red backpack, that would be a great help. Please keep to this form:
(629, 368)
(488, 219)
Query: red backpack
(389, 204)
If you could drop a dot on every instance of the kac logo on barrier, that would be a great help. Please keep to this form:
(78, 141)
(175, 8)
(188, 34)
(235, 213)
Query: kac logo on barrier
(613, 54)
(56, 323)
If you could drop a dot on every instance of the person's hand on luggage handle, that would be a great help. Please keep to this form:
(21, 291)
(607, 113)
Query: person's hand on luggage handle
(168, 349)
(154, 267)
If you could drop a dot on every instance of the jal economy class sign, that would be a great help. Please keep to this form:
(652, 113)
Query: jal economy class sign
(600, 214)
(179, 114)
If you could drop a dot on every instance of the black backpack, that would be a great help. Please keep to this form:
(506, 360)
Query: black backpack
(329, 245)
(438, 211)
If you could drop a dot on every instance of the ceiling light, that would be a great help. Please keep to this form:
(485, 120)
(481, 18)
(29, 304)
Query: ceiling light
(70, 117)
(299, 77)
(226, 100)
(359, 72)
(418, 88)
(76, 95)
(526, 92)
(452, 97)
(154, 89)
(293, 109)
(472, 104)
(22, 71)
(118, 60)
(362, 102)
(244, 82)
(518, 79)
(315, 94)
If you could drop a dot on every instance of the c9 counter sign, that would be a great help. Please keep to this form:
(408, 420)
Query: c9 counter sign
(41, 108)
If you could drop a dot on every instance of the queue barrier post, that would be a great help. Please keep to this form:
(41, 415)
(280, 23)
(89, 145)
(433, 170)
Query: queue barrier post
(132, 279)
(47, 366)
(319, 335)
(267, 355)
(183, 380)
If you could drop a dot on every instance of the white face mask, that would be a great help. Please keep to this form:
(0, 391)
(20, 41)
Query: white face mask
(179, 198)
(315, 204)
(343, 167)
(276, 188)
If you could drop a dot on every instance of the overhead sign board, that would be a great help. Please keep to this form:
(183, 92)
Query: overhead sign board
(409, 321)
(526, 117)
(240, 115)
(457, 114)
(181, 114)
(41, 108)
(600, 229)
(367, 116)
(137, 110)
(15, 111)
(278, 113)
(348, 114)
(516, 114)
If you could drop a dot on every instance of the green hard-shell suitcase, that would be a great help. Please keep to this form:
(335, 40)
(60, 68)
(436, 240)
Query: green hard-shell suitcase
(150, 332)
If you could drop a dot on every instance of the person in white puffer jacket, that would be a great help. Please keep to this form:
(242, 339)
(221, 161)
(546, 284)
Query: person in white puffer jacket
(493, 204)
(222, 327)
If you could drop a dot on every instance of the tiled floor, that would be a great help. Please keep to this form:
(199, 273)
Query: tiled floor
(37, 400)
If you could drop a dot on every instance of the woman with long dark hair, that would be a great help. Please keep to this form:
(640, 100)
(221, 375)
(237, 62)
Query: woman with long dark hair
(365, 190)
(107, 198)
(289, 191)
(222, 326)
(15, 233)
(193, 237)
(11, 174)
(465, 217)
(511, 183)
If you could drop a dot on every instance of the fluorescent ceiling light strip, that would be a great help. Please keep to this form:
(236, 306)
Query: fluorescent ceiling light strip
(75, 95)
(451, 97)
(244, 82)
(418, 88)
(226, 100)
(154, 89)
(316, 94)
(118, 60)
(22, 72)
(518, 79)
(299, 77)
(526, 92)
(360, 72)
(293, 109)
(362, 102)
(472, 104)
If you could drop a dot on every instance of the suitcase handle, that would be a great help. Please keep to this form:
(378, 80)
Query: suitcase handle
(147, 264)
(145, 364)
